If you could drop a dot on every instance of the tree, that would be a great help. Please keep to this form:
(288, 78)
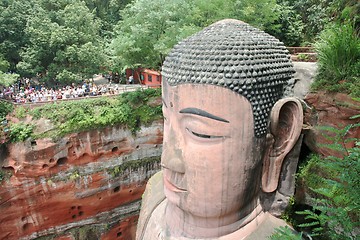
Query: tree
(275, 17)
(346, 11)
(315, 15)
(64, 42)
(13, 19)
(149, 30)
(288, 27)
(6, 79)
(4, 64)
(108, 11)
(206, 12)
(262, 14)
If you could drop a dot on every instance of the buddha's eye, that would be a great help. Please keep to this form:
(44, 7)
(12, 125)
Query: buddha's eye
(200, 135)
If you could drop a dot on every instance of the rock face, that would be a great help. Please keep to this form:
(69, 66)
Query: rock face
(304, 76)
(330, 110)
(86, 185)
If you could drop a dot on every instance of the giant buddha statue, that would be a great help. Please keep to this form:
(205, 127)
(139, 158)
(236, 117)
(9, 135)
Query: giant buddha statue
(229, 123)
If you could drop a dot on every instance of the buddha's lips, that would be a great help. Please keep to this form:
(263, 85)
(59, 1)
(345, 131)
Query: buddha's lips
(170, 186)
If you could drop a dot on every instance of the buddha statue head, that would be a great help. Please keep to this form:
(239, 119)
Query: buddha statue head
(228, 125)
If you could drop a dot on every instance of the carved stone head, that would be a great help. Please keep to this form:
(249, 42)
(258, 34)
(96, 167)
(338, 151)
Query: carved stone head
(234, 55)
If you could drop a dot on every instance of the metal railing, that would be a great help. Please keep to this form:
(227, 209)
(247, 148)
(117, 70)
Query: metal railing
(120, 89)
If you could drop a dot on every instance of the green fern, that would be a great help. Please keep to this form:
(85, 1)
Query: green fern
(335, 183)
(285, 233)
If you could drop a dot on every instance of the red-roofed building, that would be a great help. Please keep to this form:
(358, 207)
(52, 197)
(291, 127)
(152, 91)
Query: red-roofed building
(144, 76)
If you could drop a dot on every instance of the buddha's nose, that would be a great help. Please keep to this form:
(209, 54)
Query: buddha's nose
(172, 155)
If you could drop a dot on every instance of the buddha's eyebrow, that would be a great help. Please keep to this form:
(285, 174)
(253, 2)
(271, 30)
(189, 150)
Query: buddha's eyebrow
(202, 113)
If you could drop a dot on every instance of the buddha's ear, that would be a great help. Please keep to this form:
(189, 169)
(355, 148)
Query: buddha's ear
(286, 121)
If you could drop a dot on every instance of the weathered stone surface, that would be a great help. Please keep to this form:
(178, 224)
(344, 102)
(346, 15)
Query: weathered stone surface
(304, 77)
(123, 231)
(333, 110)
(277, 202)
(93, 178)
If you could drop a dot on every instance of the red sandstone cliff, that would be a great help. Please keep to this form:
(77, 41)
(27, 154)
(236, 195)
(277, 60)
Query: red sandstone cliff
(330, 110)
(86, 185)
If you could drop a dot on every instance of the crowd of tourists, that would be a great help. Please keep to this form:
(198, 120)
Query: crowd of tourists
(39, 93)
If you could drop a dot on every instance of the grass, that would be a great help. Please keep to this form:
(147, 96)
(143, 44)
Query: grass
(338, 50)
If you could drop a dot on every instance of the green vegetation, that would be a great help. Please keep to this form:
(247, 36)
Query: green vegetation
(333, 183)
(52, 39)
(338, 47)
(146, 43)
(64, 41)
(67, 47)
(5, 108)
(74, 175)
(19, 132)
(287, 214)
(338, 51)
(85, 232)
(285, 233)
(20, 112)
(338, 198)
(303, 57)
(6, 79)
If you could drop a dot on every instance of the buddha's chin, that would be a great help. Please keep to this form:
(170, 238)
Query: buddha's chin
(172, 196)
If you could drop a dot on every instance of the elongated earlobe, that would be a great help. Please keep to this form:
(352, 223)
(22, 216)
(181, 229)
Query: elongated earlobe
(286, 121)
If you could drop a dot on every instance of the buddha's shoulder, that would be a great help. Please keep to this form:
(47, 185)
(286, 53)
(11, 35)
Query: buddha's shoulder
(155, 186)
(267, 227)
(152, 197)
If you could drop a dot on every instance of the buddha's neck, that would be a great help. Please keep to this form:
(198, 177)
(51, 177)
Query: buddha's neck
(180, 223)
